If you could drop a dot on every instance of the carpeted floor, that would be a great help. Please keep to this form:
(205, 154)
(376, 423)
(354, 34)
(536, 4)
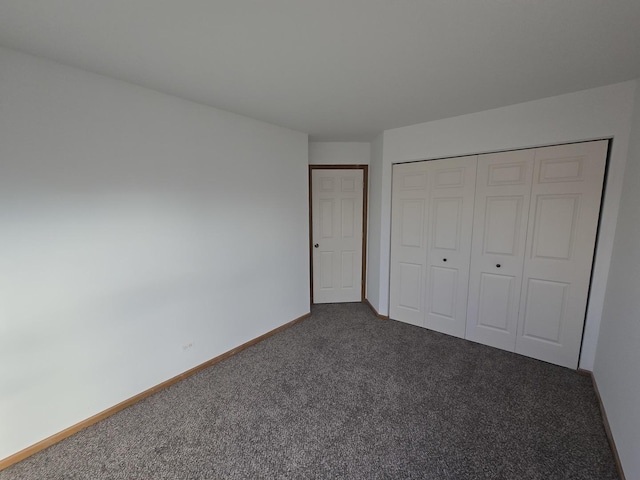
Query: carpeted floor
(345, 395)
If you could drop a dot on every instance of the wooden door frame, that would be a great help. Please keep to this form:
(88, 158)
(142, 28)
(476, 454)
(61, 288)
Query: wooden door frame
(365, 194)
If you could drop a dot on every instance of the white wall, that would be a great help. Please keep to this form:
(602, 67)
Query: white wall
(375, 215)
(617, 366)
(585, 115)
(133, 223)
(339, 153)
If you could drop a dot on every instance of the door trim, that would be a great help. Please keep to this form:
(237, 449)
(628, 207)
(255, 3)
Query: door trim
(365, 195)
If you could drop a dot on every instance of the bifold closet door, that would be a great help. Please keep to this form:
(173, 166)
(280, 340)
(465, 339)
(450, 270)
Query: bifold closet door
(432, 213)
(503, 191)
(408, 242)
(535, 224)
(451, 197)
(505, 259)
(561, 235)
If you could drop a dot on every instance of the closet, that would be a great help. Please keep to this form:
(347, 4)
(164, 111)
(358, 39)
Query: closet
(498, 248)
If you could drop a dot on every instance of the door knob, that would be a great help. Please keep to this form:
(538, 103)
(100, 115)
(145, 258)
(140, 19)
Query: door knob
(316, 245)
(498, 265)
(444, 259)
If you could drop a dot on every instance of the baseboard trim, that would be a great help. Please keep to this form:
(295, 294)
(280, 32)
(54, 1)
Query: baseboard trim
(607, 427)
(375, 312)
(67, 432)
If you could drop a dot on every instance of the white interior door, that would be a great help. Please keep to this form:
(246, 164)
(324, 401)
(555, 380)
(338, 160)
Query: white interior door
(503, 191)
(451, 200)
(336, 210)
(408, 242)
(563, 219)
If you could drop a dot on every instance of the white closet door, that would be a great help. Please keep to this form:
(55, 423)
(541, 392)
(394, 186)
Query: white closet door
(503, 190)
(563, 219)
(408, 242)
(451, 199)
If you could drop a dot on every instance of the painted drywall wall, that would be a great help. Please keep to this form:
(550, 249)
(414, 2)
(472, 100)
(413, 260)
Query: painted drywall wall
(617, 365)
(590, 114)
(375, 207)
(140, 235)
(339, 153)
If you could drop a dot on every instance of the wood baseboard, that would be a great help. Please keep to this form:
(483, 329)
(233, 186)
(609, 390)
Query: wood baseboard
(607, 428)
(375, 312)
(67, 432)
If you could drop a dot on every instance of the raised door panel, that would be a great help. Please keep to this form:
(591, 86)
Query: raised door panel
(502, 225)
(443, 290)
(326, 218)
(447, 222)
(544, 308)
(496, 297)
(337, 206)
(408, 242)
(503, 190)
(348, 274)
(563, 220)
(348, 221)
(554, 226)
(451, 201)
(410, 287)
(411, 222)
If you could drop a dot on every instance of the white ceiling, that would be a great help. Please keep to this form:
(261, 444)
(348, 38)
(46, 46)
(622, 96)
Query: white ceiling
(339, 69)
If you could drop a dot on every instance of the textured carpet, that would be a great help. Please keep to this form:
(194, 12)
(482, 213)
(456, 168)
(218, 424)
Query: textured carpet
(345, 395)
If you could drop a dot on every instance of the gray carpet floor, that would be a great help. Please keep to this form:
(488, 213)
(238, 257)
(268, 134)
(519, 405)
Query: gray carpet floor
(345, 395)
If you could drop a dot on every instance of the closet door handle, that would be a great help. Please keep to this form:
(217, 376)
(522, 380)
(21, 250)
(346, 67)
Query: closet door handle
(498, 265)
(444, 259)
